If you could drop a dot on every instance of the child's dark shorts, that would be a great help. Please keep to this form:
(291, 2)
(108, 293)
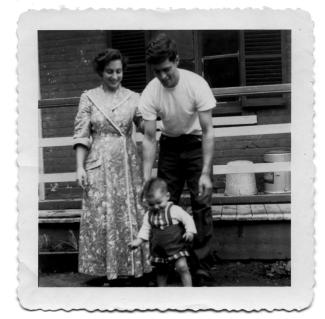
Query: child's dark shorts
(167, 245)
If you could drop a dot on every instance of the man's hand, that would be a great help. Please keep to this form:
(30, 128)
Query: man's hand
(188, 236)
(134, 244)
(205, 186)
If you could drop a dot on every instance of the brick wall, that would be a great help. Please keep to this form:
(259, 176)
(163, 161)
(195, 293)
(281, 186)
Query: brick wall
(65, 61)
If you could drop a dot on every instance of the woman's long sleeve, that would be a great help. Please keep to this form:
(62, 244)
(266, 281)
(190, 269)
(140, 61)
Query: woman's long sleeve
(82, 124)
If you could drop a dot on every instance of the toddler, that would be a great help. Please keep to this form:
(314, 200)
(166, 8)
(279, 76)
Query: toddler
(167, 227)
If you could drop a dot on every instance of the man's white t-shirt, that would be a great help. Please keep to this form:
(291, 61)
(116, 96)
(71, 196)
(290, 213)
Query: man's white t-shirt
(177, 107)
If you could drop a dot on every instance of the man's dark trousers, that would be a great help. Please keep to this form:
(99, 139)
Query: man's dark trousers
(180, 160)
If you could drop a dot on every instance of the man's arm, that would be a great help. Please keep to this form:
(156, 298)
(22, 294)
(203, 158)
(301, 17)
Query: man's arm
(205, 184)
(149, 146)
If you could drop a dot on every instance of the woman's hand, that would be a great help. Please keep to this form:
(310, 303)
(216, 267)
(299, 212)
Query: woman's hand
(81, 154)
(82, 177)
(188, 236)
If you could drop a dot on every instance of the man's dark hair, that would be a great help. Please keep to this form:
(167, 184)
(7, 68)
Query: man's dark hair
(160, 49)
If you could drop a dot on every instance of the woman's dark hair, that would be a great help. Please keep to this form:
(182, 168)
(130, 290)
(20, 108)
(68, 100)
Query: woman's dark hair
(151, 186)
(160, 49)
(103, 58)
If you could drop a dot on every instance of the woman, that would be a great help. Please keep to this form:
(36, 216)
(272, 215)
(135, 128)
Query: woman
(109, 172)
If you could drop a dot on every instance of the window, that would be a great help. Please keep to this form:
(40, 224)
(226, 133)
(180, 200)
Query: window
(232, 58)
(220, 58)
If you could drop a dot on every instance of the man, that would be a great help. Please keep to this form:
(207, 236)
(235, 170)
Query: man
(183, 101)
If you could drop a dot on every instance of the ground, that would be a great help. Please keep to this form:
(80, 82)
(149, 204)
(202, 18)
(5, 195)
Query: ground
(249, 273)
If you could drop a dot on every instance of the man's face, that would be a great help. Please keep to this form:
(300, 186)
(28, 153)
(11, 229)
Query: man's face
(167, 73)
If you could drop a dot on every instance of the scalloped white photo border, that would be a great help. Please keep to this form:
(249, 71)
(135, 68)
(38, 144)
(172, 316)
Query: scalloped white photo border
(300, 294)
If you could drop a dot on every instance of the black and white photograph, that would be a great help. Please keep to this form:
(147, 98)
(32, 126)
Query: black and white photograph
(166, 158)
(245, 226)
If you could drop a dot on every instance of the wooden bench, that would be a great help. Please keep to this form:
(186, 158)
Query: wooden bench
(217, 169)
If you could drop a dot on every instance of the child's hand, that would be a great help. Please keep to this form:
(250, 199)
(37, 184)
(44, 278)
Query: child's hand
(134, 244)
(188, 236)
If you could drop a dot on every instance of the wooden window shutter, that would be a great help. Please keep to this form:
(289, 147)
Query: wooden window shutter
(262, 63)
(132, 45)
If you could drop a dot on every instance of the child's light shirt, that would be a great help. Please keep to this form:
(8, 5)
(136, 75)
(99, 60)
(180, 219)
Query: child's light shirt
(177, 214)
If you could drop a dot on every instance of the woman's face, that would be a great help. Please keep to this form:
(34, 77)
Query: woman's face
(113, 75)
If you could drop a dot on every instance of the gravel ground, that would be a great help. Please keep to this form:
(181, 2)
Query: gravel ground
(252, 273)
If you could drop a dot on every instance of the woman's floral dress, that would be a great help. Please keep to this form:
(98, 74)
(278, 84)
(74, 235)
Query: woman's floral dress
(112, 215)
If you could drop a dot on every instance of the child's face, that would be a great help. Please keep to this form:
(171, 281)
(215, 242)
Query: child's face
(158, 200)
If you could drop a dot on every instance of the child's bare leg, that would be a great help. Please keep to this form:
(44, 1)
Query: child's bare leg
(162, 275)
(184, 272)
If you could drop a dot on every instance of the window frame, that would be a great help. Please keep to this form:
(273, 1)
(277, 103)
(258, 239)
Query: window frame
(244, 102)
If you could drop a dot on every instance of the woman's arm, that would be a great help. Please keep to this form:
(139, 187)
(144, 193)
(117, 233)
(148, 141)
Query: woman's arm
(81, 138)
(81, 154)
